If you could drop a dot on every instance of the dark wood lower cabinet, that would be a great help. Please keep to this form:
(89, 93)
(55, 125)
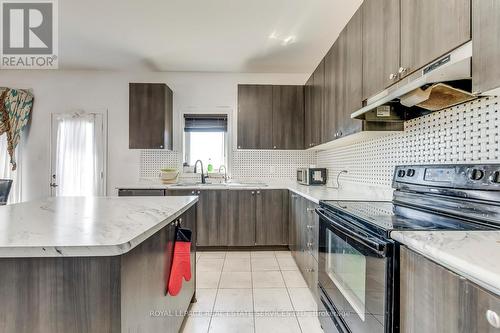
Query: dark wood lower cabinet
(481, 304)
(429, 296)
(241, 218)
(303, 239)
(272, 217)
(435, 299)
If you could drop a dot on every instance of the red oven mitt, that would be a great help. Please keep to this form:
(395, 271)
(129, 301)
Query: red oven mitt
(181, 263)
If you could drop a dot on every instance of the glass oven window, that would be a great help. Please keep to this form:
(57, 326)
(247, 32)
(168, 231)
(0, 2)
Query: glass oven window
(346, 267)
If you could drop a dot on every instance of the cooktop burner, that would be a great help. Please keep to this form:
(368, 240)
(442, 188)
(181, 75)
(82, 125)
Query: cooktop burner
(431, 197)
(384, 217)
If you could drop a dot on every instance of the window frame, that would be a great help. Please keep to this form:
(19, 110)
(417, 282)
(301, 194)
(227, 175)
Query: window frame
(227, 135)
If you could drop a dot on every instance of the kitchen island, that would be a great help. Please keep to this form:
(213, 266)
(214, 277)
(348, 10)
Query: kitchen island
(74, 264)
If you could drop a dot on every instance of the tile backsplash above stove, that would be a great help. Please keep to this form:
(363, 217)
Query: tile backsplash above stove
(461, 134)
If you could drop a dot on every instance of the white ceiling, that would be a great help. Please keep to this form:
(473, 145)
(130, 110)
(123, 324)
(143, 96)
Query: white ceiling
(278, 36)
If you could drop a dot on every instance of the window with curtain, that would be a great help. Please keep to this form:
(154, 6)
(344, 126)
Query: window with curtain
(6, 169)
(205, 139)
(77, 161)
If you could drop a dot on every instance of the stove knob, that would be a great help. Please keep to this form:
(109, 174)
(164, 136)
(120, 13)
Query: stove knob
(410, 172)
(476, 174)
(401, 173)
(495, 177)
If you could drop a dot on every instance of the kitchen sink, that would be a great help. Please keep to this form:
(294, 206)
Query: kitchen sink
(237, 184)
(230, 184)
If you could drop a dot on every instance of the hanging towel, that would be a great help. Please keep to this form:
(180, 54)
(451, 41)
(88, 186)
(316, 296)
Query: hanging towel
(181, 263)
(15, 111)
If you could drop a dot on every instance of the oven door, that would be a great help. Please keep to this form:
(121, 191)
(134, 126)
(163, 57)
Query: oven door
(355, 274)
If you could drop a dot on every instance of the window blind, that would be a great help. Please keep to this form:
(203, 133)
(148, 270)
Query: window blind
(205, 123)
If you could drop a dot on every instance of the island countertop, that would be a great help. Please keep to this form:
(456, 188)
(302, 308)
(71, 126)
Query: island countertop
(84, 226)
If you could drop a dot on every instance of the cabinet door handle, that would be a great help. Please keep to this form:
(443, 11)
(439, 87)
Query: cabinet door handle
(258, 192)
(198, 192)
(402, 70)
(493, 318)
(310, 210)
(393, 76)
(309, 270)
(192, 192)
(309, 227)
(310, 244)
(253, 192)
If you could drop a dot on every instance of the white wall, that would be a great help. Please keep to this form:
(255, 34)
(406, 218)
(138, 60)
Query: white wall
(63, 91)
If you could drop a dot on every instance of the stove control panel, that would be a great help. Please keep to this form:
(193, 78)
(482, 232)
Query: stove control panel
(461, 176)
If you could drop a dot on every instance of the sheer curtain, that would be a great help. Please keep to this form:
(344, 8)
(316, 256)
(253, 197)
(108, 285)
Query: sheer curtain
(6, 169)
(77, 168)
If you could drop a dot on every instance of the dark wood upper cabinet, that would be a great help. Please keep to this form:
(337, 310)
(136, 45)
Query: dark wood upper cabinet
(255, 116)
(486, 45)
(314, 106)
(381, 45)
(288, 117)
(271, 217)
(308, 105)
(430, 29)
(150, 116)
(330, 111)
(318, 103)
(349, 75)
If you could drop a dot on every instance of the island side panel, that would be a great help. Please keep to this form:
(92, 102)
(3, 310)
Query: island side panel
(60, 295)
(144, 271)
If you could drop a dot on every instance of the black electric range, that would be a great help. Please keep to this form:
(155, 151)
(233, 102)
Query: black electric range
(358, 277)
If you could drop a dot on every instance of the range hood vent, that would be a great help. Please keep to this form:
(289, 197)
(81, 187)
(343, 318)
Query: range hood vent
(442, 84)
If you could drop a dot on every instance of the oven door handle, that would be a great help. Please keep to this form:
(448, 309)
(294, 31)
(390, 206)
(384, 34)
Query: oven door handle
(370, 242)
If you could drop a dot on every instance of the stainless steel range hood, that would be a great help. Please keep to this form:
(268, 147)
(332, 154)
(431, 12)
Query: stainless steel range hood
(435, 87)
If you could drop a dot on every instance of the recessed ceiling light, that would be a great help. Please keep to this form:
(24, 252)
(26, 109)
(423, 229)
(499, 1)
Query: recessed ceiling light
(289, 40)
(284, 40)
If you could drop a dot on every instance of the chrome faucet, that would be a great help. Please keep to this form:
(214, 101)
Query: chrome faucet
(225, 172)
(203, 177)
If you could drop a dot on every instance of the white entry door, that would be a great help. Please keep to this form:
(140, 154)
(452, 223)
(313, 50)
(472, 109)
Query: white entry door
(78, 149)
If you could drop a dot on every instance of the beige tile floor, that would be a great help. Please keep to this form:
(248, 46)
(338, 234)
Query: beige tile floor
(259, 292)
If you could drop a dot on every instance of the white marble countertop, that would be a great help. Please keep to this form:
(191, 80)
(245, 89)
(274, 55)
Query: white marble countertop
(78, 226)
(347, 192)
(474, 255)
